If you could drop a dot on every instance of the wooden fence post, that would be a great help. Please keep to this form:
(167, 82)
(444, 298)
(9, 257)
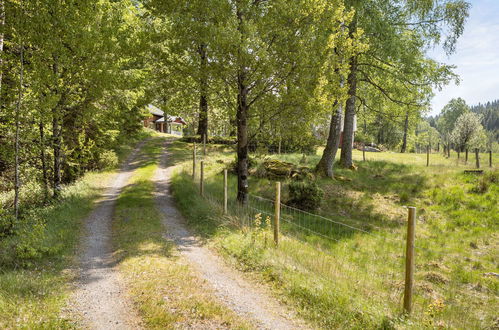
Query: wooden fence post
(490, 158)
(364, 151)
(427, 156)
(477, 157)
(201, 179)
(194, 161)
(204, 144)
(225, 192)
(277, 212)
(409, 259)
(466, 157)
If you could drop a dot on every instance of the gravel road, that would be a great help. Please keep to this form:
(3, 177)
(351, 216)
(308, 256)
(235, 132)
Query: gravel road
(246, 298)
(100, 299)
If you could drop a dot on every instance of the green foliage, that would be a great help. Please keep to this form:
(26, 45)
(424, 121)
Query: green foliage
(306, 195)
(450, 113)
(108, 160)
(490, 115)
(484, 182)
(83, 85)
(468, 132)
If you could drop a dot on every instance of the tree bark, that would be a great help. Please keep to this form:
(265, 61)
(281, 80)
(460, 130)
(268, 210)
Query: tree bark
(325, 165)
(242, 141)
(242, 121)
(17, 182)
(406, 127)
(56, 135)
(2, 34)
(56, 138)
(203, 98)
(347, 142)
(43, 158)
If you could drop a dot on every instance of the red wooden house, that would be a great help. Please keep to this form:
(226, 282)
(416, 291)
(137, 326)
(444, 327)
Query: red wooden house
(164, 123)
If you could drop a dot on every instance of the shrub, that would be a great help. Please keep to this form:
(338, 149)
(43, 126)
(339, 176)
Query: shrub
(484, 182)
(108, 160)
(305, 195)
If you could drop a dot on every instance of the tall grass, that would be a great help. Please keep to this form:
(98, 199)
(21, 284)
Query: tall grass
(36, 260)
(456, 244)
(162, 285)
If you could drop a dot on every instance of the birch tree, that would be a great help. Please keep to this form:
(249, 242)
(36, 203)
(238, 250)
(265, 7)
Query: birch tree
(398, 33)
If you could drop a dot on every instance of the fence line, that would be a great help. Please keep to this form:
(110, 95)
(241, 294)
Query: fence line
(311, 242)
(315, 241)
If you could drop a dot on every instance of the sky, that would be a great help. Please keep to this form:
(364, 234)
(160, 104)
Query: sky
(476, 58)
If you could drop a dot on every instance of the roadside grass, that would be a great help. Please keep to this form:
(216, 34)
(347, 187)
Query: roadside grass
(36, 264)
(162, 285)
(358, 281)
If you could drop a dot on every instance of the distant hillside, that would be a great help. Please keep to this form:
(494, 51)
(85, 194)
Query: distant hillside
(490, 113)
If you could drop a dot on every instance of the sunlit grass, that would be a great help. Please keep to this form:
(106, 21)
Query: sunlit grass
(34, 294)
(36, 264)
(160, 282)
(360, 278)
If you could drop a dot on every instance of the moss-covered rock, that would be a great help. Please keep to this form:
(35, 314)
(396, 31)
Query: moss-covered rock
(276, 169)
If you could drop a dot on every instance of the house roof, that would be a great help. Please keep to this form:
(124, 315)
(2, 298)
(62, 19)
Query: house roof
(177, 120)
(160, 113)
(155, 110)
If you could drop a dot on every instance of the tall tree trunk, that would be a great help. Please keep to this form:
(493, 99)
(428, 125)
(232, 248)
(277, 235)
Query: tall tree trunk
(17, 183)
(348, 125)
(325, 165)
(203, 87)
(406, 127)
(56, 138)
(45, 179)
(2, 34)
(242, 141)
(242, 121)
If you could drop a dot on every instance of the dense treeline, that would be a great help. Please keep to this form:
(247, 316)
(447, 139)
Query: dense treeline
(272, 72)
(71, 92)
(461, 127)
(490, 115)
(76, 76)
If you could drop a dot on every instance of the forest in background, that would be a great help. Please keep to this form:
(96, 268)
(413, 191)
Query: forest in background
(76, 78)
(277, 88)
(72, 92)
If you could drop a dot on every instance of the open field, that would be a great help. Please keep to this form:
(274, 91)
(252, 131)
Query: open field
(347, 271)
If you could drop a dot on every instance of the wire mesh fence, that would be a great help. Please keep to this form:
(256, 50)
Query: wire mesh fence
(363, 261)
